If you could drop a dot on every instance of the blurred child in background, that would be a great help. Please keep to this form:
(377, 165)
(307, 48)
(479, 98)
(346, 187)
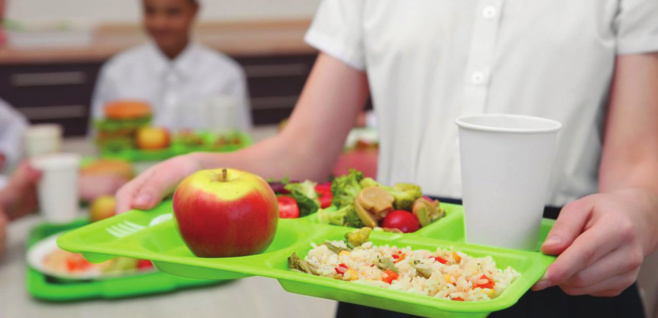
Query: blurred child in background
(177, 77)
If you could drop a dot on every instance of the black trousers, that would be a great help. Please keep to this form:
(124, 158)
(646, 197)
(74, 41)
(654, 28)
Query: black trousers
(551, 302)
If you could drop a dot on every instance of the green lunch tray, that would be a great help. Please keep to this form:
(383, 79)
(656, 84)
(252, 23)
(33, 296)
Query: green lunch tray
(48, 288)
(160, 242)
(176, 148)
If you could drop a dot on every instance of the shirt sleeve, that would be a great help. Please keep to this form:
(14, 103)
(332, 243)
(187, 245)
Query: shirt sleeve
(103, 92)
(12, 128)
(337, 31)
(637, 27)
(241, 91)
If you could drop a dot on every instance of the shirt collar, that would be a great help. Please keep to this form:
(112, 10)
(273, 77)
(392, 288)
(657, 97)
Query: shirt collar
(181, 66)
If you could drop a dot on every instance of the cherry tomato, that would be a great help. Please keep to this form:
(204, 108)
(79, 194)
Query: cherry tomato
(288, 208)
(323, 188)
(325, 201)
(144, 264)
(324, 194)
(401, 220)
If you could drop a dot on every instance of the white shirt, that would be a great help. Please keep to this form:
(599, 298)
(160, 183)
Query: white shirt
(430, 61)
(182, 91)
(12, 128)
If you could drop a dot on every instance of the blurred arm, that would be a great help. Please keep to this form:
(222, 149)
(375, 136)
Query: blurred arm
(102, 94)
(312, 140)
(306, 149)
(12, 127)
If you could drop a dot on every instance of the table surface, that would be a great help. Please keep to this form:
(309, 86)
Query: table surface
(249, 297)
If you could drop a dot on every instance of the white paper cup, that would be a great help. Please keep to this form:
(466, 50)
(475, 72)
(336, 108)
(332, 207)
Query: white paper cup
(43, 139)
(58, 187)
(505, 163)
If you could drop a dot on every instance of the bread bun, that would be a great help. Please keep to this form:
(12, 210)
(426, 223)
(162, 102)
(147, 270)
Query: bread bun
(109, 166)
(127, 109)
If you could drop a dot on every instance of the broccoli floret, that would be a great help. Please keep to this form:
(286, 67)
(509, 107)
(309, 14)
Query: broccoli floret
(306, 188)
(345, 188)
(358, 237)
(368, 182)
(345, 216)
(352, 219)
(305, 195)
(404, 194)
(332, 215)
(305, 204)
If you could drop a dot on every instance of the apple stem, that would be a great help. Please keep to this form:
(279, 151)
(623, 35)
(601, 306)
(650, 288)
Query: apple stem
(224, 175)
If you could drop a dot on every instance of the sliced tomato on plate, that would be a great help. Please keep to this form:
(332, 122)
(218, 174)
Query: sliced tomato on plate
(288, 208)
(324, 194)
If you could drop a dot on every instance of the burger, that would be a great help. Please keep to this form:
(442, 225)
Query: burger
(117, 167)
(103, 177)
(122, 120)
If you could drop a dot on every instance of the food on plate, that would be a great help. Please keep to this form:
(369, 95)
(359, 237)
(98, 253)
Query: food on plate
(305, 195)
(444, 274)
(401, 220)
(152, 138)
(102, 208)
(190, 139)
(376, 201)
(227, 139)
(288, 208)
(72, 264)
(345, 188)
(117, 167)
(359, 201)
(122, 120)
(128, 110)
(427, 211)
(308, 196)
(225, 212)
(324, 194)
(355, 201)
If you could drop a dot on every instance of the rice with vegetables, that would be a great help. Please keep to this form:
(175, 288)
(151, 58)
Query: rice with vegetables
(444, 274)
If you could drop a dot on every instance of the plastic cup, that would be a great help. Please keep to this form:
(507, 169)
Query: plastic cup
(58, 186)
(43, 139)
(505, 162)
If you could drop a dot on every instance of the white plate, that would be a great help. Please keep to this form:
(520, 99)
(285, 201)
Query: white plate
(38, 252)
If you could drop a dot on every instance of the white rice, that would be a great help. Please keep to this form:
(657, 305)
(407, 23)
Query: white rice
(453, 280)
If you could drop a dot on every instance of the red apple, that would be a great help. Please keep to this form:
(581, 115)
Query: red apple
(152, 138)
(102, 208)
(225, 212)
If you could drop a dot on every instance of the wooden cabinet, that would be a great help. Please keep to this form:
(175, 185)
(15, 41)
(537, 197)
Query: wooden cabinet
(61, 92)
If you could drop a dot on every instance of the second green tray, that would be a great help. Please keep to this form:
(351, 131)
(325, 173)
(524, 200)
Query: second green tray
(52, 289)
(175, 149)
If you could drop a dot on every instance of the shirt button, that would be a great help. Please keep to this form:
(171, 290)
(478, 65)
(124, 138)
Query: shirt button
(489, 12)
(478, 78)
